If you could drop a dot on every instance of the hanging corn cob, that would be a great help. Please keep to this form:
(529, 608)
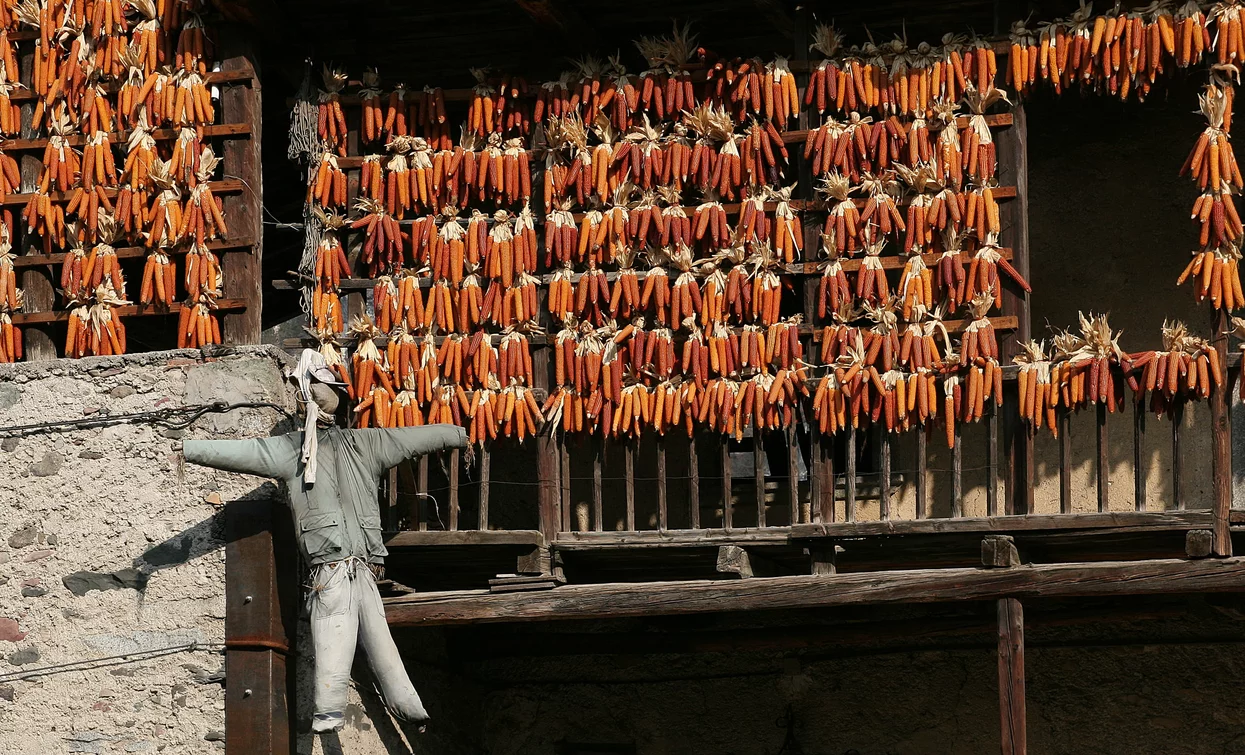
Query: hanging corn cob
(332, 128)
(1185, 369)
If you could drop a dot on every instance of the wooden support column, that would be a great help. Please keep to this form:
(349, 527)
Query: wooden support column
(38, 293)
(261, 612)
(1221, 448)
(546, 456)
(240, 103)
(1012, 676)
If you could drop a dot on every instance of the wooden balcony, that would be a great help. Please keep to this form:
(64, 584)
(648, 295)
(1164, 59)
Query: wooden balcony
(564, 527)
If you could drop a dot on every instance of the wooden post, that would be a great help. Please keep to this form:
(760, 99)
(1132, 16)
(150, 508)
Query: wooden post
(38, 293)
(546, 455)
(484, 485)
(693, 484)
(1012, 151)
(1176, 415)
(727, 492)
(1012, 676)
(261, 613)
(629, 481)
(454, 462)
(758, 475)
(1104, 463)
(1221, 433)
(1139, 474)
(240, 103)
(884, 476)
(663, 515)
(793, 473)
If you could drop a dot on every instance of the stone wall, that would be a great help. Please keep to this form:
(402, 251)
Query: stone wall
(110, 544)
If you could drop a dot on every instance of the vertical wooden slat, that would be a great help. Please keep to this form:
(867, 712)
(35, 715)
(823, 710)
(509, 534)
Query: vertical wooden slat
(629, 482)
(1139, 472)
(849, 476)
(827, 480)
(564, 480)
(598, 461)
(453, 475)
(663, 515)
(1177, 419)
(793, 473)
(421, 483)
(758, 476)
(727, 492)
(693, 485)
(240, 103)
(1065, 460)
(484, 487)
(922, 469)
(38, 291)
(1011, 146)
(546, 455)
(957, 473)
(1221, 442)
(1104, 464)
(1012, 676)
(816, 488)
(884, 476)
(992, 461)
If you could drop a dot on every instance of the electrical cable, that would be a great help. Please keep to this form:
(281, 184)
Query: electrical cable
(121, 658)
(177, 418)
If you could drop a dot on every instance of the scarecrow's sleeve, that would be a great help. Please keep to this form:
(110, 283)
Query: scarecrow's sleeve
(388, 447)
(265, 457)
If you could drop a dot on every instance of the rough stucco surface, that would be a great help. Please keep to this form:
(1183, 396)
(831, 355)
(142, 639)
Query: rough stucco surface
(117, 507)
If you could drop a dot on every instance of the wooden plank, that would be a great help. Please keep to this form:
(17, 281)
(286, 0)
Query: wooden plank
(727, 491)
(957, 472)
(884, 476)
(454, 462)
(129, 310)
(620, 600)
(922, 469)
(564, 480)
(695, 538)
(1012, 676)
(1221, 443)
(1139, 473)
(598, 505)
(849, 476)
(131, 252)
(244, 211)
(1116, 520)
(758, 476)
(484, 457)
(1104, 463)
(629, 482)
(38, 289)
(693, 484)
(992, 461)
(1177, 419)
(663, 513)
(119, 138)
(446, 538)
(1065, 459)
(546, 456)
(421, 484)
(793, 475)
(999, 552)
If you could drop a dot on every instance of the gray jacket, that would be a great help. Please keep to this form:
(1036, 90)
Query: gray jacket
(338, 516)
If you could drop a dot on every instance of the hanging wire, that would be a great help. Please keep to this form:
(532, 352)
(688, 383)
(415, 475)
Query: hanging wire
(177, 418)
(89, 664)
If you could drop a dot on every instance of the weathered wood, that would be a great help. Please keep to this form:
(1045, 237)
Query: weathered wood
(827, 480)
(503, 583)
(1012, 676)
(1116, 520)
(617, 600)
(533, 561)
(884, 474)
(992, 461)
(598, 506)
(849, 475)
(1177, 419)
(38, 292)
(629, 482)
(546, 456)
(391, 500)
(922, 470)
(1139, 474)
(1199, 543)
(793, 474)
(1065, 460)
(758, 476)
(822, 559)
(128, 310)
(421, 483)
(453, 475)
(242, 161)
(1104, 462)
(999, 551)
(663, 514)
(728, 504)
(1221, 443)
(576, 541)
(434, 538)
(957, 472)
(734, 561)
(484, 457)
(693, 484)
(564, 480)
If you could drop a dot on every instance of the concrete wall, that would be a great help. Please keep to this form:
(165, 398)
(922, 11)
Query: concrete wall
(111, 544)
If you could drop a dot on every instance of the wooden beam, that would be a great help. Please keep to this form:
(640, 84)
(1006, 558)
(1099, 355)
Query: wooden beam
(999, 552)
(1221, 447)
(242, 161)
(917, 586)
(1012, 676)
(424, 539)
(1115, 521)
